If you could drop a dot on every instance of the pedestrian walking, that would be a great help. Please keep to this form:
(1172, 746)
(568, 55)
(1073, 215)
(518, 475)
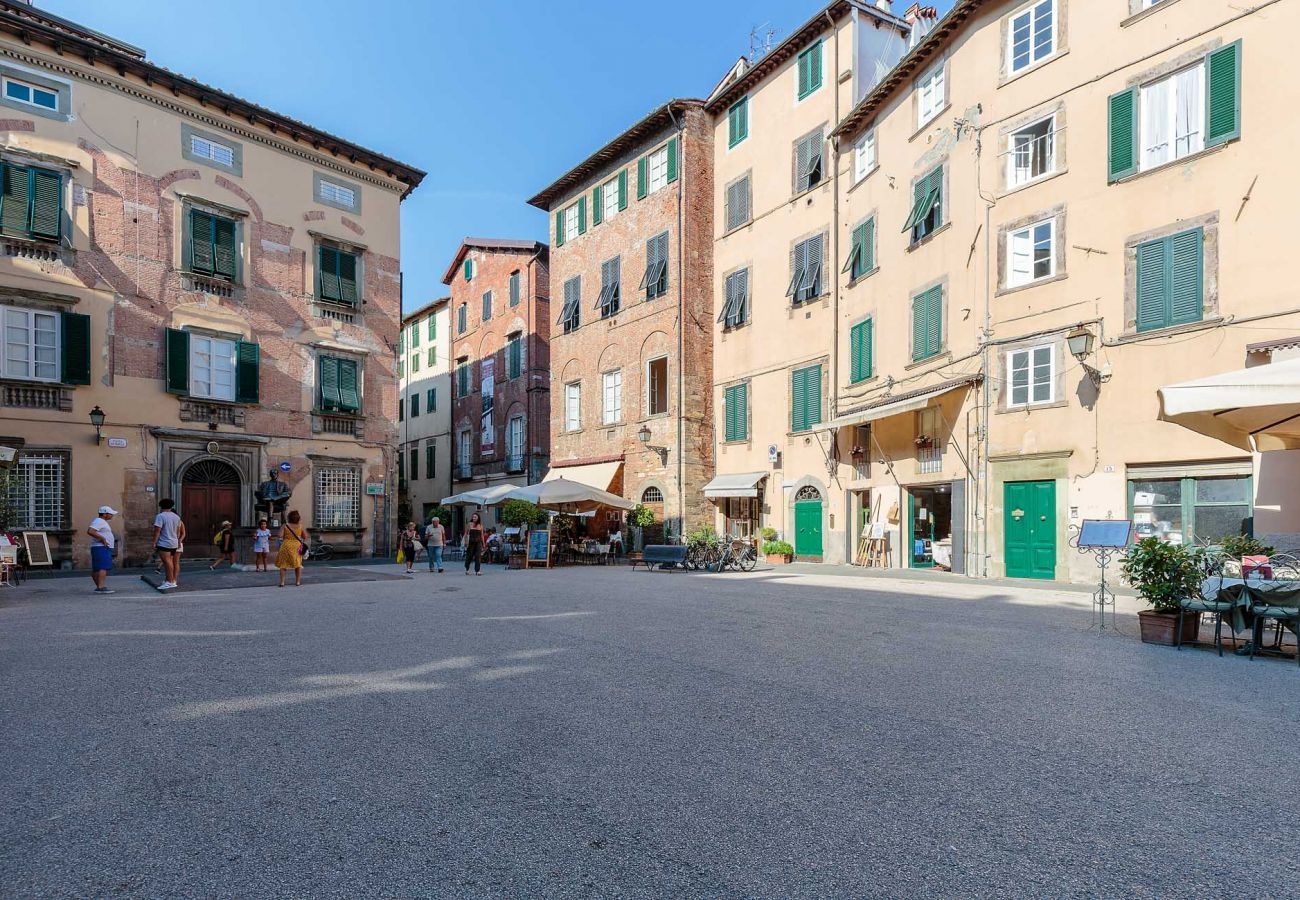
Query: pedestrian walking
(168, 533)
(434, 538)
(293, 548)
(410, 541)
(261, 546)
(225, 543)
(473, 542)
(616, 544)
(102, 543)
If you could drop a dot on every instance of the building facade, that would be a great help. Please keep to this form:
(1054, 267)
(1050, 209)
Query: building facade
(424, 409)
(631, 353)
(220, 282)
(501, 330)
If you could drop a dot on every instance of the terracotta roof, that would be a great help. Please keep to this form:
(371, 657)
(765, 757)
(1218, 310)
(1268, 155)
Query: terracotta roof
(636, 135)
(25, 23)
(935, 40)
(489, 244)
(424, 310)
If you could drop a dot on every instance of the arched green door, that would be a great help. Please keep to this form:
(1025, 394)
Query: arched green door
(808, 524)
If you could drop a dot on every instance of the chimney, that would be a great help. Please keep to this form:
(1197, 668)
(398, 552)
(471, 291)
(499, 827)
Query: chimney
(885, 6)
(916, 12)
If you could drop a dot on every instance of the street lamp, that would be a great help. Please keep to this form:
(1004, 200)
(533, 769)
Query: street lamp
(1080, 342)
(644, 437)
(97, 418)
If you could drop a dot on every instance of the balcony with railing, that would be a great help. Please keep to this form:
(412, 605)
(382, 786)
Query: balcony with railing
(342, 424)
(35, 395)
(462, 471)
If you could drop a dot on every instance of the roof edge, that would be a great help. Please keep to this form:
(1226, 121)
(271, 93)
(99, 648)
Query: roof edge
(503, 244)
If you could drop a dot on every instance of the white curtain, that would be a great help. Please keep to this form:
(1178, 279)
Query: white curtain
(1189, 113)
(1156, 123)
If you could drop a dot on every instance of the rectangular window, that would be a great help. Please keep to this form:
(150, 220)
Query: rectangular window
(462, 318)
(862, 250)
(415, 363)
(431, 460)
(415, 464)
(31, 344)
(515, 355)
(927, 206)
(36, 492)
(806, 270)
(432, 357)
(736, 400)
(32, 94)
(212, 367)
(464, 452)
(655, 280)
(432, 328)
(860, 341)
(738, 203)
(571, 222)
(571, 314)
(931, 95)
(516, 291)
(611, 291)
(805, 398)
(1031, 376)
(338, 194)
(1192, 510)
(338, 497)
(462, 377)
(415, 334)
(431, 399)
(1031, 253)
(864, 156)
(1170, 280)
(213, 245)
(613, 397)
(810, 70)
(808, 161)
(515, 443)
(1031, 152)
(657, 169)
(1031, 35)
(573, 406)
(735, 309)
(487, 305)
(339, 384)
(738, 122)
(31, 202)
(927, 323)
(415, 405)
(214, 151)
(470, 269)
(656, 374)
(1173, 117)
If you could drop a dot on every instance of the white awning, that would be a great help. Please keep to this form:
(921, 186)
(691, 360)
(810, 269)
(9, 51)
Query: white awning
(597, 475)
(909, 402)
(744, 485)
(564, 495)
(1254, 409)
(484, 496)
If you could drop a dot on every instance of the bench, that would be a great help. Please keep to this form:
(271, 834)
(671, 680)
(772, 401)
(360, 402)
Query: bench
(666, 556)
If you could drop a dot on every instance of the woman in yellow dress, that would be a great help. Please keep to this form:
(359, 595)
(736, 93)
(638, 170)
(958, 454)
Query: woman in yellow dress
(293, 546)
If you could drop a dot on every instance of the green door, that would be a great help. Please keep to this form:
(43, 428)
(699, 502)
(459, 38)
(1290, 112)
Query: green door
(1030, 529)
(808, 529)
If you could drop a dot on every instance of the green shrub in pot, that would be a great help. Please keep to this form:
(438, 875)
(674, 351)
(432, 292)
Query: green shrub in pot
(1162, 574)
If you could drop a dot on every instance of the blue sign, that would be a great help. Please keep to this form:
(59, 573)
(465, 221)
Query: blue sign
(285, 467)
(1110, 533)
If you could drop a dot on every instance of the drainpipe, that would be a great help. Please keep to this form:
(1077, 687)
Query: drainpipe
(834, 271)
(528, 369)
(681, 325)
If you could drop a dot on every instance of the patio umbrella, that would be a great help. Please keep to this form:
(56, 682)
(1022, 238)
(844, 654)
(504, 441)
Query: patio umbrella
(569, 496)
(487, 496)
(1254, 409)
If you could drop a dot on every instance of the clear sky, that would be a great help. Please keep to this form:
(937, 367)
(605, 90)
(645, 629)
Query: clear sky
(493, 98)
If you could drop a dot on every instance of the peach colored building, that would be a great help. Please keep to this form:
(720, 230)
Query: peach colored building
(424, 409)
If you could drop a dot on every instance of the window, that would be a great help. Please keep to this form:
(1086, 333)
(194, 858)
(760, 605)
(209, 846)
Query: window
(401, 412)
(738, 203)
(611, 277)
(213, 151)
(37, 492)
(1031, 253)
(462, 377)
(613, 196)
(339, 380)
(515, 291)
(655, 280)
(805, 398)
(515, 442)
(810, 70)
(415, 335)
(432, 357)
(1032, 152)
(652, 495)
(927, 206)
(573, 406)
(738, 122)
(931, 96)
(338, 497)
(930, 442)
(433, 330)
(33, 94)
(515, 355)
(613, 396)
(571, 314)
(464, 450)
(1170, 280)
(415, 363)
(806, 270)
(431, 460)
(213, 245)
(864, 156)
(1031, 376)
(657, 169)
(860, 340)
(431, 399)
(736, 400)
(487, 305)
(862, 250)
(462, 318)
(336, 194)
(415, 405)
(735, 309)
(415, 464)
(212, 367)
(656, 376)
(1032, 35)
(31, 344)
(401, 366)
(470, 269)
(1189, 510)
(1176, 115)
(927, 323)
(31, 203)
(573, 221)
(808, 168)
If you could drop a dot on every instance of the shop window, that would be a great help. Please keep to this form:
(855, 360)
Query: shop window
(1191, 510)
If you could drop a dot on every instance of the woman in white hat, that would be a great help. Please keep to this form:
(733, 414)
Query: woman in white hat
(225, 541)
(102, 543)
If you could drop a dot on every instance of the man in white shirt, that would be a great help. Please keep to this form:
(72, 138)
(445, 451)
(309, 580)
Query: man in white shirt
(168, 535)
(102, 542)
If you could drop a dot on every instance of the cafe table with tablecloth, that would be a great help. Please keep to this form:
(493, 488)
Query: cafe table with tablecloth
(1247, 595)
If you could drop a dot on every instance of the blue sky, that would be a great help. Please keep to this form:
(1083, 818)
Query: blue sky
(494, 99)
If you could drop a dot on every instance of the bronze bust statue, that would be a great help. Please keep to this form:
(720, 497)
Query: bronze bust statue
(273, 494)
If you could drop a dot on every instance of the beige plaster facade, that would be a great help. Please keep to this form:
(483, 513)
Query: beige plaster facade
(425, 400)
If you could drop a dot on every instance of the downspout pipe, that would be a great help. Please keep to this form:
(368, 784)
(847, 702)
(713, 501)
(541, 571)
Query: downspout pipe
(529, 299)
(834, 272)
(681, 323)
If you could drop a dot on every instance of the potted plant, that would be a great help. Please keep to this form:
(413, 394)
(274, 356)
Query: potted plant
(924, 441)
(1164, 575)
(778, 553)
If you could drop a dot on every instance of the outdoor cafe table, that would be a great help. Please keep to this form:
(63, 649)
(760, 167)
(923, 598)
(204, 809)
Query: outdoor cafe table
(1245, 594)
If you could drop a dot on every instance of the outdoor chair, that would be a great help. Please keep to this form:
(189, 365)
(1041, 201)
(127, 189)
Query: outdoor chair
(1283, 615)
(1214, 568)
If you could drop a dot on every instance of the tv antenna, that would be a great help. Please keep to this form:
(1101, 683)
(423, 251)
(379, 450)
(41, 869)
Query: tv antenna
(761, 38)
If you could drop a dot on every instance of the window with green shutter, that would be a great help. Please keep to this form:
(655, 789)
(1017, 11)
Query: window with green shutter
(336, 279)
(75, 348)
(927, 323)
(515, 356)
(515, 290)
(738, 122)
(1223, 95)
(805, 398)
(1122, 134)
(487, 305)
(177, 361)
(860, 352)
(213, 245)
(862, 250)
(339, 385)
(248, 364)
(927, 206)
(431, 399)
(810, 70)
(415, 335)
(559, 228)
(430, 457)
(469, 270)
(1170, 280)
(597, 205)
(31, 202)
(415, 460)
(737, 412)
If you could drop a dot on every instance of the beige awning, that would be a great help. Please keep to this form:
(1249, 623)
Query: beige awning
(1254, 409)
(569, 496)
(597, 475)
(909, 402)
(743, 485)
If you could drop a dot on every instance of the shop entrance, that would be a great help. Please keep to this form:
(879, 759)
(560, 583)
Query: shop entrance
(930, 532)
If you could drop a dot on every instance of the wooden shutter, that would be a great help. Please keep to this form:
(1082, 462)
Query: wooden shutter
(202, 254)
(348, 279)
(224, 252)
(860, 351)
(75, 346)
(934, 321)
(918, 326)
(328, 266)
(798, 400)
(742, 411)
(1223, 95)
(177, 362)
(1122, 153)
(582, 214)
(868, 259)
(597, 207)
(815, 246)
(15, 200)
(47, 206)
(622, 189)
(247, 376)
(429, 468)
(805, 71)
(469, 269)
(672, 160)
(1185, 277)
(349, 391)
(559, 228)
(815, 66)
(1152, 285)
(329, 382)
(642, 178)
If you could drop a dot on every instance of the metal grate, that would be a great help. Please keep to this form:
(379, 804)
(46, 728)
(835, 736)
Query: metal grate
(929, 460)
(36, 492)
(338, 498)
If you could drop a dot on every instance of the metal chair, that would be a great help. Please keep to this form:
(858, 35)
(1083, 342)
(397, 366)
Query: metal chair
(1214, 564)
(1285, 567)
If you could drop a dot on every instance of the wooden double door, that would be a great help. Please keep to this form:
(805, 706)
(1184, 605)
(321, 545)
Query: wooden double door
(210, 495)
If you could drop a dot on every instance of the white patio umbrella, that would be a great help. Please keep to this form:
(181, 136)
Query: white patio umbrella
(487, 496)
(1254, 409)
(569, 496)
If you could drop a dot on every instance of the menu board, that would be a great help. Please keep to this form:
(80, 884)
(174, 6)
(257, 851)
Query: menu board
(539, 547)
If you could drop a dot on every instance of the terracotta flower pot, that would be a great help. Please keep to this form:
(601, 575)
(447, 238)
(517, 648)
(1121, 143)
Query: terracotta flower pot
(777, 559)
(1158, 628)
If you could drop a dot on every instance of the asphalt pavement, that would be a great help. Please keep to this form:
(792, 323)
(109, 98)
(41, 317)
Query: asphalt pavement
(602, 733)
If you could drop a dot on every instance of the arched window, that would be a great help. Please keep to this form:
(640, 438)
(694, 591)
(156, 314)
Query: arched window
(807, 492)
(652, 495)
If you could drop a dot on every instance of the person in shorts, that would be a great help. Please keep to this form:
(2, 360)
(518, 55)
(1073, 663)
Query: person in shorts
(225, 541)
(168, 533)
(102, 543)
(261, 546)
(435, 536)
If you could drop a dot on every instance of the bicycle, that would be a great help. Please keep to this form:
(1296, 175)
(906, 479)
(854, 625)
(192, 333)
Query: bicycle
(318, 549)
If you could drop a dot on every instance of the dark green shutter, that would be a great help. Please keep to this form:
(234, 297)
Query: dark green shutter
(798, 401)
(224, 253)
(582, 215)
(1185, 277)
(201, 253)
(860, 352)
(429, 469)
(514, 295)
(1122, 155)
(1151, 285)
(672, 160)
(642, 178)
(597, 208)
(177, 361)
(804, 80)
(348, 278)
(469, 269)
(15, 205)
(622, 189)
(815, 76)
(76, 348)
(328, 259)
(47, 208)
(349, 395)
(868, 260)
(329, 382)
(927, 324)
(1223, 95)
(247, 376)
(813, 396)
(415, 459)
(559, 228)
(742, 411)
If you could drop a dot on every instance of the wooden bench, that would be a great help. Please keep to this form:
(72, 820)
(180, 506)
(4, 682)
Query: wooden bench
(665, 556)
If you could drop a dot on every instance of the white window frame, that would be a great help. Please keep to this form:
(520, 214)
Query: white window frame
(464, 448)
(649, 387)
(39, 499)
(1014, 176)
(18, 319)
(1030, 364)
(32, 88)
(515, 437)
(332, 192)
(609, 199)
(1030, 237)
(864, 156)
(213, 151)
(1158, 107)
(221, 360)
(931, 94)
(571, 222)
(573, 406)
(612, 397)
(657, 170)
(1031, 13)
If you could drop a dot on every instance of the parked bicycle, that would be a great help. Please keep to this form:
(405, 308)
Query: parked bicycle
(318, 549)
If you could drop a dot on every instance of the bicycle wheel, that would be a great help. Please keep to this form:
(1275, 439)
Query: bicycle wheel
(748, 559)
(692, 561)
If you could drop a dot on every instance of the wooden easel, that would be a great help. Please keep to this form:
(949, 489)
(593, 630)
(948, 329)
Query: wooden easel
(873, 552)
